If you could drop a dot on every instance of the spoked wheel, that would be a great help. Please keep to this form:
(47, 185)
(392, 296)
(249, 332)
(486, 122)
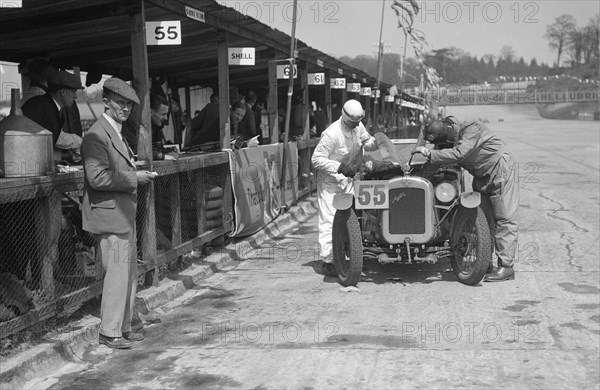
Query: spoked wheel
(347, 247)
(472, 245)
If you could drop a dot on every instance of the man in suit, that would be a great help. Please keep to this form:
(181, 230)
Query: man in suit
(159, 112)
(45, 110)
(205, 125)
(109, 209)
(247, 125)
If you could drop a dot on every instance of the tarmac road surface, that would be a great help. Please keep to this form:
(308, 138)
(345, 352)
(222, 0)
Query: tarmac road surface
(272, 322)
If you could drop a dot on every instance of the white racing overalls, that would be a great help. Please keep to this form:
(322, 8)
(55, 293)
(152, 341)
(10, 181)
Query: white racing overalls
(485, 156)
(338, 144)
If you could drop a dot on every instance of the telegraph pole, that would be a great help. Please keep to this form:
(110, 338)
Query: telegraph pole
(379, 68)
(288, 110)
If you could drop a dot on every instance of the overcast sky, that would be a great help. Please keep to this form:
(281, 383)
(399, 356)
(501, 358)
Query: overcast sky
(351, 27)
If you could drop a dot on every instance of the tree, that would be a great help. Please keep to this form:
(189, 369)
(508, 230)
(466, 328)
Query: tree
(534, 68)
(558, 33)
(508, 53)
(591, 41)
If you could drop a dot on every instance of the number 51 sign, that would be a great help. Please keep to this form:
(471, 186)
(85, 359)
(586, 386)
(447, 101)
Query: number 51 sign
(166, 32)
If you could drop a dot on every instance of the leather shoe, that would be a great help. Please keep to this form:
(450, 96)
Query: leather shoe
(500, 274)
(133, 336)
(114, 342)
(328, 269)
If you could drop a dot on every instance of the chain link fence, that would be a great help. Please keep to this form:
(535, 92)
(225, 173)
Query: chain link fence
(45, 255)
(48, 262)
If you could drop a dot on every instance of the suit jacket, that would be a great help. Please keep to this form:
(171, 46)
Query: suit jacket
(205, 126)
(110, 182)
(247, 126)
(43, 111)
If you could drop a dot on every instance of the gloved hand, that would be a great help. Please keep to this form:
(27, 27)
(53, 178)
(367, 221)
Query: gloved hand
(423, 150)
(370, 144)
(346, 170)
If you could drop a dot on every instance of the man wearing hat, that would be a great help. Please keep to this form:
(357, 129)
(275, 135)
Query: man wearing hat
(337, 158)
(45, 110)
(109, 209)
(475, 148)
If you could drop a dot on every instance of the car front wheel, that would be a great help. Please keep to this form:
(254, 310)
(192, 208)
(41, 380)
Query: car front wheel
(472, 245)
(347, 247)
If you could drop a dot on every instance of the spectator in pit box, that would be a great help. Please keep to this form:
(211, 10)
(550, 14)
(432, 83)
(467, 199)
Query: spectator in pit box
(45, 110)
(336, 112)
(238, 110)
(247, 125)
(475, 148)
(337, 157)
(159, 111)
(320, 119)
(109, 210)
(205, 125)
(258, 109)
(39, 71)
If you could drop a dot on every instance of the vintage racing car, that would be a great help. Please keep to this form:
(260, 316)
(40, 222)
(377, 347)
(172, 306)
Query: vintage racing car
(409, 213)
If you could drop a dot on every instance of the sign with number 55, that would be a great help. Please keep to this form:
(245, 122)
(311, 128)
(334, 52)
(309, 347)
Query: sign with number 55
(166, 32)
(372, 194)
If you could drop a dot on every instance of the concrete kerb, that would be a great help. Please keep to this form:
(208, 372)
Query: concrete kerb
(69, 345)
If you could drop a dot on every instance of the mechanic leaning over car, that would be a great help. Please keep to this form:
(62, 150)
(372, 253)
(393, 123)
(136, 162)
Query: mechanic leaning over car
(486, 157)
(337, 158)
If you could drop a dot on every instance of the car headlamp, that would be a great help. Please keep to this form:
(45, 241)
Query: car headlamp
(445, 192)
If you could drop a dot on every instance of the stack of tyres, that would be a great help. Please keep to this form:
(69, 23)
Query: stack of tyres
(214, 207)
(214, 211)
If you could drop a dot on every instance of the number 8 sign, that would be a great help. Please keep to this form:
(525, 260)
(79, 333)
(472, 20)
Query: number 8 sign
(166, 32)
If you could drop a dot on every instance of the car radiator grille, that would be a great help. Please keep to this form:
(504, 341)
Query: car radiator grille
(407, 211)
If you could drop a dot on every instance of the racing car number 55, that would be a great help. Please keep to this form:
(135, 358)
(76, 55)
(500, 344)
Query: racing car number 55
(372, 194)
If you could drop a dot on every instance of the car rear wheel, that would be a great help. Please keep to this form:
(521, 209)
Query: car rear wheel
(472, 245)
(347, 247)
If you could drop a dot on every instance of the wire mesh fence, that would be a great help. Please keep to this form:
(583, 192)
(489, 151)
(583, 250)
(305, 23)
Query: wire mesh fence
(44, 253)
(48, 262)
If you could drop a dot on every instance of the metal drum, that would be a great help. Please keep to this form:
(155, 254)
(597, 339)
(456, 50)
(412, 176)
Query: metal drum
(25, 148)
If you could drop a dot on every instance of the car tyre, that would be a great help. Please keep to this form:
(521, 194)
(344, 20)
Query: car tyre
(472, 245)
(347, 247)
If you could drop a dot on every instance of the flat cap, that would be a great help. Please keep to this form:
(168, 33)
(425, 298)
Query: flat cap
(62, 79)
(121, 88)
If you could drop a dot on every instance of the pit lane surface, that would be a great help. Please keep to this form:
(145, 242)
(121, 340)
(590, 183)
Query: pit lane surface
(271, 322)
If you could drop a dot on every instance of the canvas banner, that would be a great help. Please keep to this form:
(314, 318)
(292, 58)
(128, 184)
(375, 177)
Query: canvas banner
(256, 183)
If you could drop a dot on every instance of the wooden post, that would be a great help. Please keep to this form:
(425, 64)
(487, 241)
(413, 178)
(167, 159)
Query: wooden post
(223, 76)
(303, 70)
(344, 96)
(328, 94)
(48, 233)
(175, 201)
(367, 106)
(139, 55)
(188, 117)
(273, 104)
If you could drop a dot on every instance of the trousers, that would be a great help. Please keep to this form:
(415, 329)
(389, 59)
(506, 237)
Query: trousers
(119, 260)
(502, 188)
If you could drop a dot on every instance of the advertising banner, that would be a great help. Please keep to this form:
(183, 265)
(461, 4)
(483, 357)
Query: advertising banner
(513, 96)
(256, 184)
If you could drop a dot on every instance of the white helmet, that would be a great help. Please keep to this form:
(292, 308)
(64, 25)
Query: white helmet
(353, 111)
